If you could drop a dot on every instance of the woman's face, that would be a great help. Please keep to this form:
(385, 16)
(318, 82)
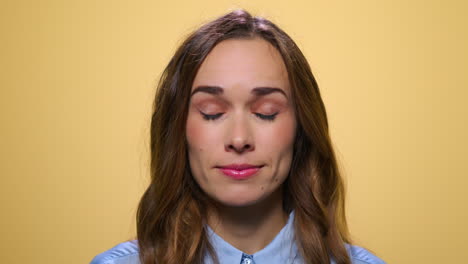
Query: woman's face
(241, 113)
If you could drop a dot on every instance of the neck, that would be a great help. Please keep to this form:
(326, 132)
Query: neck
(250, 228)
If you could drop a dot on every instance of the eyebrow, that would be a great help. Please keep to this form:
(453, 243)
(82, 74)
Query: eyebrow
(257, 91)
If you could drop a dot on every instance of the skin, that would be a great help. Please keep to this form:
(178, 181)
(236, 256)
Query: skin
(239, 135)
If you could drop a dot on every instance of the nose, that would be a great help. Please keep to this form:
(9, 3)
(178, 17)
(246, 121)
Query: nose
(239, 137)
(239, 146)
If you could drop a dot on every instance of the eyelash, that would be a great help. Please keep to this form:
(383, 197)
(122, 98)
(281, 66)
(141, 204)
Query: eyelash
(216, 116)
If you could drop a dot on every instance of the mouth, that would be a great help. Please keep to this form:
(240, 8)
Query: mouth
(239, 166)
(240, 171)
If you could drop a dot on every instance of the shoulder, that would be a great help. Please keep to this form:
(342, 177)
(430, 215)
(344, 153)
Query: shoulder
(123, 253)
(361, 255)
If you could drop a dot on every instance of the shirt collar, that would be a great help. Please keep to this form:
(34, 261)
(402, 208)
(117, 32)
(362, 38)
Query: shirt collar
(282, 249)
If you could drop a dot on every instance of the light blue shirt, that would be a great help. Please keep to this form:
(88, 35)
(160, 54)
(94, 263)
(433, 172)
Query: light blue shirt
(282, 250)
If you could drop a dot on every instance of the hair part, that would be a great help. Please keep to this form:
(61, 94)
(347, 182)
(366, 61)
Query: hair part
(171, 215)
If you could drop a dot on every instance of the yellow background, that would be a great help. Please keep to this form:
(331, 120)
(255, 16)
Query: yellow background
(77, 83)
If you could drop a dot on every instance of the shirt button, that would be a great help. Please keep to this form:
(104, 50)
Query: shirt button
(246, 259)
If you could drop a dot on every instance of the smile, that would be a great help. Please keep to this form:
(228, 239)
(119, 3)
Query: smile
(240, 172)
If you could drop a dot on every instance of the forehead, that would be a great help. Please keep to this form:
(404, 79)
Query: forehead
(245, 63)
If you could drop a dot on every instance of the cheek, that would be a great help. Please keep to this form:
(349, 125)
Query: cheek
(193, 132)
(201, 138)
(279, 138)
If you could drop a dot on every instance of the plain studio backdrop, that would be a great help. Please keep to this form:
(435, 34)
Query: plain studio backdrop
(78, 80)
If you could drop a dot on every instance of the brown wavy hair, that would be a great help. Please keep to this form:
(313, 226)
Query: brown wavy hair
(171, 214)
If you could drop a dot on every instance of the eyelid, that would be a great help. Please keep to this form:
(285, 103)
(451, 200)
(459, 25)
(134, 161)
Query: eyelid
(267, 117)
(211, 117)
(268, 106)
(259, 115)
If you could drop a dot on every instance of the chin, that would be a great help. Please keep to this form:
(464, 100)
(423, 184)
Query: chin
(239, 200)
(237, 203)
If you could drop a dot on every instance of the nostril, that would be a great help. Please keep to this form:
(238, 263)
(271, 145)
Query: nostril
(240, 148)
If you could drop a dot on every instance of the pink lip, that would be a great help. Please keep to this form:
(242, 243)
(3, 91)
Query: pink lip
(240, 171)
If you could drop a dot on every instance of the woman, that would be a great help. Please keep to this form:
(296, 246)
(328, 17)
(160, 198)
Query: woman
(242, 168)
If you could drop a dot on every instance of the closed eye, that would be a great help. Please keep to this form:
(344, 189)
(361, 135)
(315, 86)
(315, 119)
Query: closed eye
(218, 115)
(211, 117)
(267, 117)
